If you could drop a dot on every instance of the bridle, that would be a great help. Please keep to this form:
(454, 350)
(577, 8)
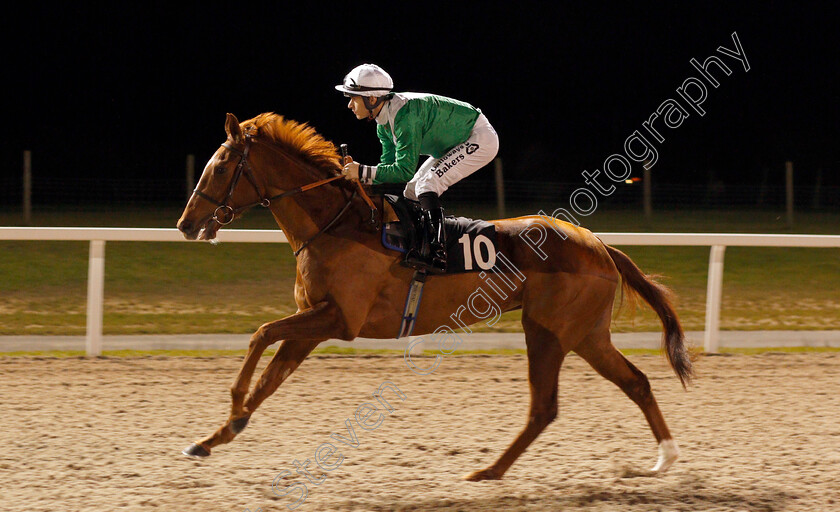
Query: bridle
(224, 213)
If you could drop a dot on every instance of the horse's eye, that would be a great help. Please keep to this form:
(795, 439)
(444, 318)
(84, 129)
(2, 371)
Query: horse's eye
(220, 169)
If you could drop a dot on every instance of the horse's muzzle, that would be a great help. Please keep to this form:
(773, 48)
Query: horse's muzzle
(189, 229)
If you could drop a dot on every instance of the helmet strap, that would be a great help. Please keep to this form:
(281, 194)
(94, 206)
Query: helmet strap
(371, 105)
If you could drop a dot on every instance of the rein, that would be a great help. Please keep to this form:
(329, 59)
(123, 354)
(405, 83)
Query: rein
(224, 213)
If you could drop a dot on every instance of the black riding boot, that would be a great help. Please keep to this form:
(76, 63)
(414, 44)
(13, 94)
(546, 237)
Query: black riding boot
(437, 239)
(433, 259)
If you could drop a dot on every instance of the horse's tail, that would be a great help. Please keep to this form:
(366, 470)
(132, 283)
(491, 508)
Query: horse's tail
(636, 283)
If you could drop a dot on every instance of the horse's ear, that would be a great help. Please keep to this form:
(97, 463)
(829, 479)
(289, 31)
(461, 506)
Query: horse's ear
(234, 132)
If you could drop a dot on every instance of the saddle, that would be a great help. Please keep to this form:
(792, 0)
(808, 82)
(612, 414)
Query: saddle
(470, 244)
(470, 247)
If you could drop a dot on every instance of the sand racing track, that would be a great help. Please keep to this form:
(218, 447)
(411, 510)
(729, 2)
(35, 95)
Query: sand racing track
(757, 432)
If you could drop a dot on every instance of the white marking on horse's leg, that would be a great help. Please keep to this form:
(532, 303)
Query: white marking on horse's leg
(668, 453)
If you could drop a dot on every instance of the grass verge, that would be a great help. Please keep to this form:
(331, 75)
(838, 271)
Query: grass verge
(180, 288)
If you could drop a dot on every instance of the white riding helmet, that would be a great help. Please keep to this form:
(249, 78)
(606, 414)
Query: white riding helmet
(366, 80)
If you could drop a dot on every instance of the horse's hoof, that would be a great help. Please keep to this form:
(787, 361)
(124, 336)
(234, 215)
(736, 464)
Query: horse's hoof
(668, 454)
(237, 426)
(484, 474)
(196, 451)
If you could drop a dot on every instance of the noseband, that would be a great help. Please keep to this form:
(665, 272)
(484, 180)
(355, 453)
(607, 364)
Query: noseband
(224, 213)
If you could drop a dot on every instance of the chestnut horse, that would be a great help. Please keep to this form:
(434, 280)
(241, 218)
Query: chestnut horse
(347, 285)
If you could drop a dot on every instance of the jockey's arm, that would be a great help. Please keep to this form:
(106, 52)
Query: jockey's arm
(400, 152)
(399, 160)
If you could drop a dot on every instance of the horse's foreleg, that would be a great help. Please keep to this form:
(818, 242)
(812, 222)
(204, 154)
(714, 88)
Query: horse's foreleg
(318, 323)
(545, 356)
(288, 357)
(310, 326)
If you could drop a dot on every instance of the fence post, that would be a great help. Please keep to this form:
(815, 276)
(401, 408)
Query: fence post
(789, 191)
(27, 187)
(500, 188)
(95, 296)
(190, 175)
(714, 292)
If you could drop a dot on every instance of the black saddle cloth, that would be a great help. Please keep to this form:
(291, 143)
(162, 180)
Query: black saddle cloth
(470, 244)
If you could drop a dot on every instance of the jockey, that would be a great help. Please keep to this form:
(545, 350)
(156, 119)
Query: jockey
(456, 136)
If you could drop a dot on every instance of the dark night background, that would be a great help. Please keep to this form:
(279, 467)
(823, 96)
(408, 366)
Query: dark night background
(114, 97)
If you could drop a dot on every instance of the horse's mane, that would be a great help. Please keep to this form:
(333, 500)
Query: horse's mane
(297, 138)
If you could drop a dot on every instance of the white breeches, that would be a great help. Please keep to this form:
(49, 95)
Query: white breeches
(438, 174)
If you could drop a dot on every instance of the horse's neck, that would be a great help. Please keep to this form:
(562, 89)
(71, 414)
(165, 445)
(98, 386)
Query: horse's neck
(302, 215)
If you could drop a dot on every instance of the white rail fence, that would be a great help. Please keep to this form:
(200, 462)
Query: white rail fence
(98, 236)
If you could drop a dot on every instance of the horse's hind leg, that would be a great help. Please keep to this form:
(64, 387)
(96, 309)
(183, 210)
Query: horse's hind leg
(545, 356)
(598, 351)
